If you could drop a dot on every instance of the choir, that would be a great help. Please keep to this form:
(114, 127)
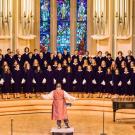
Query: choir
(38, 72)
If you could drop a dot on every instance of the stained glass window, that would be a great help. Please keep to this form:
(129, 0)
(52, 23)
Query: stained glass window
(81, 30)
(45, 23)
(63, 25)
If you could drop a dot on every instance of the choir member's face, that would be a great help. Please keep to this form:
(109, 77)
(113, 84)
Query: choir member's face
(27, 50)
(9, 51)
(80, 57)
(75, 60)
(76, 52)
(49, 68)
(103, 64)
(109, 71)
(36, 51)
(6, 68)
(89, 68)
(126, 70)
(17, 51)
(129, 52)
(52, 56)
(64, 62)
(19, 56)
(117, 72)
(0, 56)
(0, 51)
(108, 56)
(65, 51)
(120, 54)
(69, 69)
(100, 54)
(69, 59)
(134, 70)
(38, 68)
(5, 63)
(99, 69)
(36, 62)
(41, 55)
(28, 66)
(59, 65)
(132, 64)
(79, 68)
(87, 53)
(17, 67)
(85, 62)
(30, 55)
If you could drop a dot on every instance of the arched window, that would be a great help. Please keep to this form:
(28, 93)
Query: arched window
(81, 28)
(45, 23)
(63, 25)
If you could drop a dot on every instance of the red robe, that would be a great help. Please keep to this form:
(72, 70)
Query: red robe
(59, 110)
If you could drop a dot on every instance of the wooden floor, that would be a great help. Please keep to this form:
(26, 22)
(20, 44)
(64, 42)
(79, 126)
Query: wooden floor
(32, 117)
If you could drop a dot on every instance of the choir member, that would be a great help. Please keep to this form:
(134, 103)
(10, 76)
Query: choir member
(132, 65)
(30, 58)
(108, 83)
(80, 62)
(17, 77)
(49, 76)
(1, 53)
(86, 56)
(100, 81)
(69, 61)
(75, 56)
(38, 80)
(78, 80)
(41, 60)
(113, 67)
(6, 82)
(129, 57)
(89, 77)
(109, 60)
(35, 55)
(1, 63)
(65, 54)
(8, 53)
(46, 54)
(123, 66)
(103, 66)
(99, 58)
(68, 80)
(94, 65)
(45, 65)
(64, 65)
(126, 82)
(59, 58)
(75, 65)
(59, 74)
(55, 65)
(119, 59)
(85, 64)
(17, 54)
(133, 83)
(35, 64)
(28, 76)
(25, 56)
(117, 83)
(10, 59)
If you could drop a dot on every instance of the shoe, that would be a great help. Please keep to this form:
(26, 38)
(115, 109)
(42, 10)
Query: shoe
(59, 127)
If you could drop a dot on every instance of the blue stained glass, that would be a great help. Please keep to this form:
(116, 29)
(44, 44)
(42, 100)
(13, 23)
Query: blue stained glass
(81, 30)
(45, 22)
(63, 10)
(81, 10)
(63, 25)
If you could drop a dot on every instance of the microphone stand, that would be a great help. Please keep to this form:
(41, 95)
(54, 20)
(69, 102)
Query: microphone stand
(11, 126)
(103, 117)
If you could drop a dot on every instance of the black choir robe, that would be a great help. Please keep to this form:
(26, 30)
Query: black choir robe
(89, 76)
(68, 86)
(108, 85)
(38, 76)
(25, 57)
(116, 80)
(28, 76)
(99, 77)
(59, 75)
(109, 62)
(126, 89)
(65, 56)
(17, 77)
(99, 60)
(118, 61)
(79, 76)
(6, 87)
(133, 84)
(49, 76)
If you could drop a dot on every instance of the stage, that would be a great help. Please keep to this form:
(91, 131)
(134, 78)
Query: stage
(32, 117)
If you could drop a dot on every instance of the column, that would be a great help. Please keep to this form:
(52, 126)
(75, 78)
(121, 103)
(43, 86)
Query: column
(91, 45)
(73, 10)
(53, 25)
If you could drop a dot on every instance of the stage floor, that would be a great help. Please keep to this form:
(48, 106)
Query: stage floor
(84, 122)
